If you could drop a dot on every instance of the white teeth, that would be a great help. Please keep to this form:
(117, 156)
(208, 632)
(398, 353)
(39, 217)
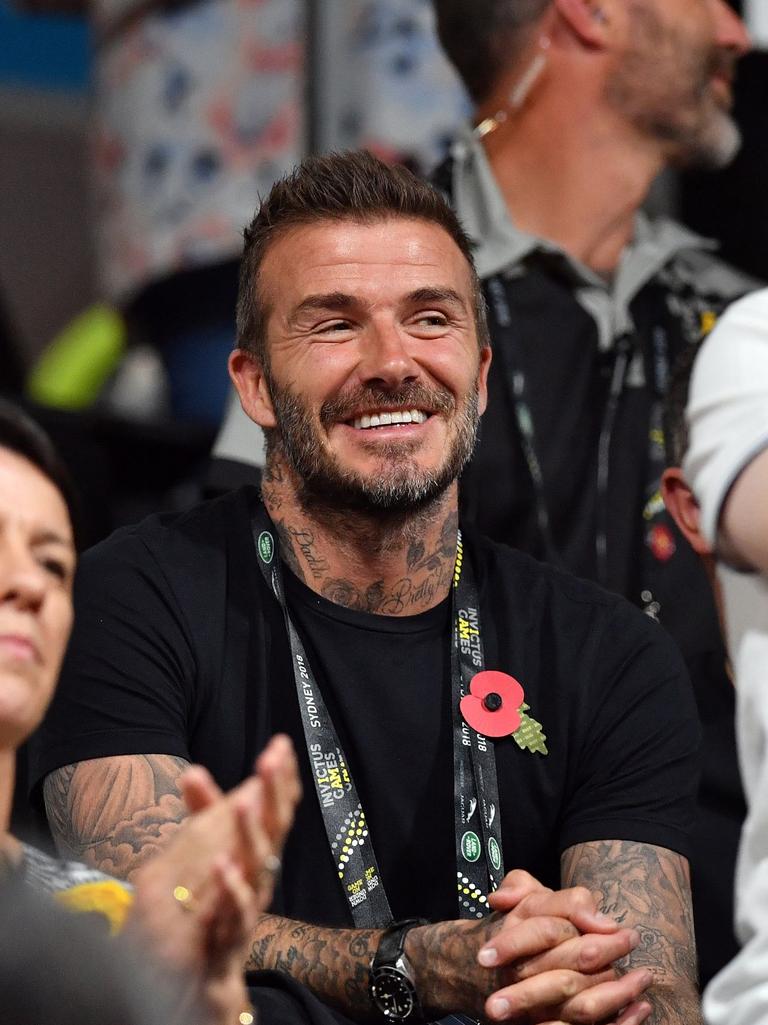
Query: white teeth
(406, 416)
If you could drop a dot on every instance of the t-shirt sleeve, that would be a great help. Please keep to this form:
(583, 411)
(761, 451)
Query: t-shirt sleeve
(635, 773)
(728, 405)
(128, 676)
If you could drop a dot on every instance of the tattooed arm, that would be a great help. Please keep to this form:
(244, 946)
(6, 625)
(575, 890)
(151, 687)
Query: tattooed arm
(542, 975)
(115, 813)
(646, 888)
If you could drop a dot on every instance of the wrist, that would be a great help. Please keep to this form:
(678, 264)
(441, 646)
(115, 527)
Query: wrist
(426, 947)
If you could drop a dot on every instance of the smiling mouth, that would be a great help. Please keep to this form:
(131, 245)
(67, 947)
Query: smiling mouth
(389, 418)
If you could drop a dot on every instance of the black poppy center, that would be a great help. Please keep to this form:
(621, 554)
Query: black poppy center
(492, 702)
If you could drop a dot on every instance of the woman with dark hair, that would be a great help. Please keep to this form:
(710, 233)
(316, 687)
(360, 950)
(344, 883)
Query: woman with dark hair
(196, 902)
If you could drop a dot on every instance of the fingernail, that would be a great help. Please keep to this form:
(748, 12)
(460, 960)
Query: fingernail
(634, 939)
(499, 1007)
(488, 957)
(600, 917)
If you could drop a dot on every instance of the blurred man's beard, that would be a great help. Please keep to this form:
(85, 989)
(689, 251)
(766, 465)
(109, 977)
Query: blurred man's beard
(397, 484)
(664, 86)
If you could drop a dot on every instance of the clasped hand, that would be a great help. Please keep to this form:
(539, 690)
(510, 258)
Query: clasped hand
(545, 957)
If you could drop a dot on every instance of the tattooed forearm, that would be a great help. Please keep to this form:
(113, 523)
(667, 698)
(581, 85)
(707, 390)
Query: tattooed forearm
(646, 888)
(114, 813)
(334, 963)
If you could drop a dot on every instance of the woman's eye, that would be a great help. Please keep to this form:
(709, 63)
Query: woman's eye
(57, 568)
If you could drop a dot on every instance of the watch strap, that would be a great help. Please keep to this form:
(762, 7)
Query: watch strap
(392, 942)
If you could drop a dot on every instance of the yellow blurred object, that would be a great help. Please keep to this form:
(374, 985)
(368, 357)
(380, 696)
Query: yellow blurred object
(74, 368)
(108, 898)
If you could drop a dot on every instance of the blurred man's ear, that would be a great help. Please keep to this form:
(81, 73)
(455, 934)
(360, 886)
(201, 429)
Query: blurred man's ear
(251, 383)
(683, 508)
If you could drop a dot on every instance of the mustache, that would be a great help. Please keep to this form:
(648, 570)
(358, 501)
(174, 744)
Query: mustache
(372, 400)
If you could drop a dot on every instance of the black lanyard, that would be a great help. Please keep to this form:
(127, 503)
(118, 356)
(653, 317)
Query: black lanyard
(507, 347)
(479, 856)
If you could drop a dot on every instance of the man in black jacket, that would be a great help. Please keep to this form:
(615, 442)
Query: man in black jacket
(579, 105)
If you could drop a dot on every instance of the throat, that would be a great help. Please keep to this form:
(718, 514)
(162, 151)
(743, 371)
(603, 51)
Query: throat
(395, 568)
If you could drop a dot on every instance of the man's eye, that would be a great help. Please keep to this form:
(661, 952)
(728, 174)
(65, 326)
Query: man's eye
(333, 326)
(432, 319)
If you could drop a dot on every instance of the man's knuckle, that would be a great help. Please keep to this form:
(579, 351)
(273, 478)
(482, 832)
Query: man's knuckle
(550, 931)
(590, 955)
(582, 895)
(590, 1007)
(565, 982)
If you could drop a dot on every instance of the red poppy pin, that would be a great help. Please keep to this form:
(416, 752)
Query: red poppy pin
(492, 705)
(495, 707)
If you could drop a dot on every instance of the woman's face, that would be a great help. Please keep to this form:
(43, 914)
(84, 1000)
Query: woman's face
(37, 563)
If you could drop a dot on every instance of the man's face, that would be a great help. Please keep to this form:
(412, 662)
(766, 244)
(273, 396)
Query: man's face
(674, 77)
(375, 379)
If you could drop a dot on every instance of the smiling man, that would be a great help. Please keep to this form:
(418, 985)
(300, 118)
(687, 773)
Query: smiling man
(347, 609)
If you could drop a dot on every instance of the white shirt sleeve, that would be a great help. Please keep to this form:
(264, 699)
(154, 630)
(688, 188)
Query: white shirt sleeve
(727, 409)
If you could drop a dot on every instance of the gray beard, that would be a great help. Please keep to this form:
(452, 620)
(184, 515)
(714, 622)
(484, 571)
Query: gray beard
(692, 129)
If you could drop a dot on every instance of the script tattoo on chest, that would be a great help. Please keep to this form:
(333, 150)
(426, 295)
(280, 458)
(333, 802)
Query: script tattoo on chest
(428, 576)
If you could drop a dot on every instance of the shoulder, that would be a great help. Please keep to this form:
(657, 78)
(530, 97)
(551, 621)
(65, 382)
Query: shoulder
(173, 542)
(77, 887)
(522, 578)
(696, 264)
(567, 614)
(727, 404)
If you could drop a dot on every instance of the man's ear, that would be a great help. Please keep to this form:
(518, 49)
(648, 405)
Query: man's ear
(589, 20)
(248, 377)
(482, 378)
(683, 508)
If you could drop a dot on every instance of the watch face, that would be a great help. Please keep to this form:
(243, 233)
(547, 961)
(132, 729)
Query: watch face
(392, 993)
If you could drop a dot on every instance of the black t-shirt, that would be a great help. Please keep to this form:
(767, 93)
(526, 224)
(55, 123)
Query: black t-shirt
(179, 648)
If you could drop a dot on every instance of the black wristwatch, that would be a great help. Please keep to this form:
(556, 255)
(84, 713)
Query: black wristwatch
(391, 982)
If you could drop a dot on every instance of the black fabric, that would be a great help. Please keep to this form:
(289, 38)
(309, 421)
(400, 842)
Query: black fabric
(280, 1000)
(567, 382)
(179, 648)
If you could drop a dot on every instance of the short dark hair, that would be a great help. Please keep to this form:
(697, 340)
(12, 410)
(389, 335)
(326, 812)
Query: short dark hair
(20, 434)
(480, 39)
(675, 402)
(354, 186)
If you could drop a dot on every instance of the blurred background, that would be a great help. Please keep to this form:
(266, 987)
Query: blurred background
(115, 208)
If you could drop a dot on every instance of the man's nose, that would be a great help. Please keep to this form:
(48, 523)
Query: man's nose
(387, 360)
(731, 32)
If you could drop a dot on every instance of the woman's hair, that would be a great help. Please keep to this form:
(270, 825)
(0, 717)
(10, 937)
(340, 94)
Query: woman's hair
(20, 434)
